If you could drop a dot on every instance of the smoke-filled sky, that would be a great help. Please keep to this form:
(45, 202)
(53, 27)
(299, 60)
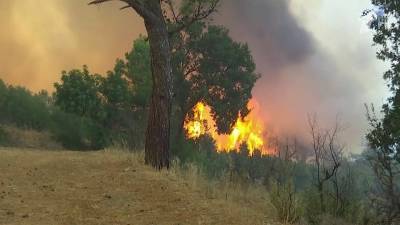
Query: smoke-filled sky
(315, 56)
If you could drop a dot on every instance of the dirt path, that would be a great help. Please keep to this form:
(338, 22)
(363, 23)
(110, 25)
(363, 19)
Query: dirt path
(71, 188)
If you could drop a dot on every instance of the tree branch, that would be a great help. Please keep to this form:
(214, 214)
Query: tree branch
(200, 12)
(175, 16)
(137, 5)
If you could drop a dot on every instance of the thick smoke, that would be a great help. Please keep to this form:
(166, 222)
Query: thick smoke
(268, 25)
(299, 75)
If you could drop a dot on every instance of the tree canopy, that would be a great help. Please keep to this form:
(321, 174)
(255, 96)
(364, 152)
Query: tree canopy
(211, 67)
(384, 135)
(78, 93)
(387, 37)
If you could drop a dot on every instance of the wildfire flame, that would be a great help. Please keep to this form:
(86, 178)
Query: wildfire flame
(247, 131)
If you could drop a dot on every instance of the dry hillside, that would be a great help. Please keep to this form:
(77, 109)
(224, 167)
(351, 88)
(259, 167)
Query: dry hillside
(115, 188)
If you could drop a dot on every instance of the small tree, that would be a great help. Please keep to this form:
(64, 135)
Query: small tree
(384, 136)
(282, 186)
(383, 157)
(286, 202)
(78, 93)
(287, 150)
(210, 66)
(328, 156)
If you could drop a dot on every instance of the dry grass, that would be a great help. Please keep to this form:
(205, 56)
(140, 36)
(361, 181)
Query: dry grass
(114, 187)
(27, 138)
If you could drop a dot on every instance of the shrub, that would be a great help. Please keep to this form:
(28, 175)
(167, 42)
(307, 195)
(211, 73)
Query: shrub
(286, 202)
(4, 139)
(327, 219)
(77, 133)
(22, 108)
(311, 204)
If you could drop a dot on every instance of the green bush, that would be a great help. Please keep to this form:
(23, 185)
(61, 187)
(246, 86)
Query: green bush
(3, 137)
(77, 133)
(202, 152)
(23, 109)
(311, 205)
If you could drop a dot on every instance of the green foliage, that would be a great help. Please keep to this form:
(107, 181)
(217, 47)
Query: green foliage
(289, 183)
(387, 33)
(384, 135)
(23, 109)
(202, 153)
(311, 205)
(116, 103)
(79, 124)
(209, 66)
(116, 88)
(138, 68)
(302, 175)
(188, 7)
(3, 92)
(19, 107)
(78, 93)
(3, 137)
(77, 133)
(351, 205)
(228, 69)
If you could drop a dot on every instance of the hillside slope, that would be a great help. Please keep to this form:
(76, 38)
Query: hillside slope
(110, 188)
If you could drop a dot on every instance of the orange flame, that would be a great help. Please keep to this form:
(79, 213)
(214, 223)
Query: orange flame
(196, 128)
(247, 131)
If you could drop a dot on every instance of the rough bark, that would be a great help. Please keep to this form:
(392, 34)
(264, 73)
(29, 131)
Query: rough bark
(157, 147)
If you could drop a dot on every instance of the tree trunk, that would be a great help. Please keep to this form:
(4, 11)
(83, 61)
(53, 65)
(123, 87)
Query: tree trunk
(321, 196)
(157, 146)
(180, 124)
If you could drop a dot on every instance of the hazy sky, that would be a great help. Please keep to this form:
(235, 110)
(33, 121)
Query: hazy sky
(315, 56)
(40, 38)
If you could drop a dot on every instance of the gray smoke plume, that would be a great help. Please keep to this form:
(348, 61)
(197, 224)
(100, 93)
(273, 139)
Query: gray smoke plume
(268, 25)
(298, 76)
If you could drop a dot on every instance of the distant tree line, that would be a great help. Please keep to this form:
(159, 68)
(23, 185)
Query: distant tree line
(21, 108)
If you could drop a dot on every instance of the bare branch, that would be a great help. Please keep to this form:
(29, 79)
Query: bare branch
(328, 153)
(201, 11)
(138, 5)
(125, 7)
(98, 2)
(171, 7)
